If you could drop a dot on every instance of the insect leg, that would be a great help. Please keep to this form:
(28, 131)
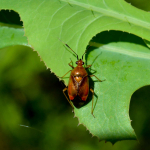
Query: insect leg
(65, 89)
(66, 74)
(69, 70)
(96, 77)
(92, 101)
(88, 66)
(70, 64)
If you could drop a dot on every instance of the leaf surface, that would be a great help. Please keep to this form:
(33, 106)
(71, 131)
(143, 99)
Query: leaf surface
(122, 63)
(11, 35)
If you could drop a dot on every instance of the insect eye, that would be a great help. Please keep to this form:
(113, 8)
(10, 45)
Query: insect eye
(82, 63)
(76, 62)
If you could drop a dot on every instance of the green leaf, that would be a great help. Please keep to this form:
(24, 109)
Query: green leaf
(147, 43)
(12, 35)
(122, 63)
(123, 60)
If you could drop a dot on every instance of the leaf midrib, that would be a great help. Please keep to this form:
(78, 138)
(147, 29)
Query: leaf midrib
(128, 52)
(112, 14)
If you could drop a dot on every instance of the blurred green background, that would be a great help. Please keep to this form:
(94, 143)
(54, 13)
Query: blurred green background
(34, 114)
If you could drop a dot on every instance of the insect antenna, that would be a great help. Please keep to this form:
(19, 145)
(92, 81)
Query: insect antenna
(85, 51)
(69, 47)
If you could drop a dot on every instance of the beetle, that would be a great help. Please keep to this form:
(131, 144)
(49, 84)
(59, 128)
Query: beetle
(79, 81)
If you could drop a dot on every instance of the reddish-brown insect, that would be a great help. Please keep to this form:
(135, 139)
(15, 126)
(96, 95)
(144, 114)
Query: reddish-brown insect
(79, 82)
